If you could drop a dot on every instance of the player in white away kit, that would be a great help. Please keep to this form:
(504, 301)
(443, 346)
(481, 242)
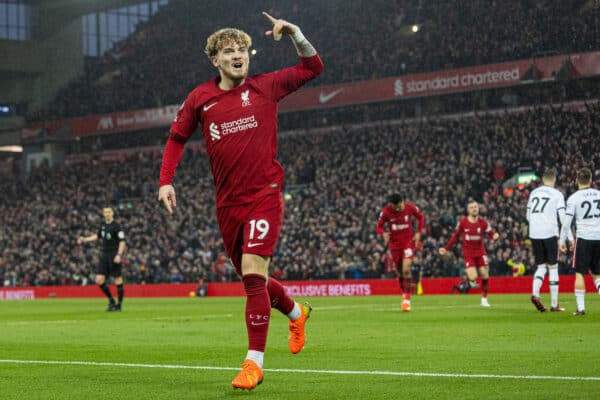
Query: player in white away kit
(584, 206)
(545, 204)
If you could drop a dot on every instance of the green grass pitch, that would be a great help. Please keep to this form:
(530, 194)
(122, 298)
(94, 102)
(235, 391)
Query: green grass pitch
(448, 347)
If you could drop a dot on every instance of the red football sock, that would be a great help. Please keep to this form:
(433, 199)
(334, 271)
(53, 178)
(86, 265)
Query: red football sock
(279, 298)
(484, 287)
(401, 282)
(407, 287)
(258, 311)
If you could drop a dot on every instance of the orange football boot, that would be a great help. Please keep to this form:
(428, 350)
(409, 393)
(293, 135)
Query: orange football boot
(297, 337)
(405, 305)
(250, 376)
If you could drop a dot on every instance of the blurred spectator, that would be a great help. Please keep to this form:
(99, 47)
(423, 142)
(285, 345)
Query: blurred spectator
(328, 232)
(162, 60)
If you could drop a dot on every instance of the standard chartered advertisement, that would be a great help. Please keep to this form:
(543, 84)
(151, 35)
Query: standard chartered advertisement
(459, 81)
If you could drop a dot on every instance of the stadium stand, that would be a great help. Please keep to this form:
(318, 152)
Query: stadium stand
(337, 180)
(340, 163)
(164, 58)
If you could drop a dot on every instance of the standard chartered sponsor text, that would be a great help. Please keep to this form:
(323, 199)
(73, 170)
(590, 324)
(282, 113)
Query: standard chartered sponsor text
(460, 80)
(238, 125)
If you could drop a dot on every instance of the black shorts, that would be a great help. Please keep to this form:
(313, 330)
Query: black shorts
(545, 251)
(107, 267)
(587, 256)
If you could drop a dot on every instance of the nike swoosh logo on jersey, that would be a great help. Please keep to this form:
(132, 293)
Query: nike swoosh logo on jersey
(324, 98)
(254, 244)
(208, 107)
(258, 323)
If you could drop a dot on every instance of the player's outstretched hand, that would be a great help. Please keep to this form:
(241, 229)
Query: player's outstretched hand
(280, 27)
(442, 251)
(166, 194)
(496, 236)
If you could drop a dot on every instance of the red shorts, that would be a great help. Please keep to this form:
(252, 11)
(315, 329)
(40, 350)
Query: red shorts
(407, 251)
(251, 228)
(475, 262)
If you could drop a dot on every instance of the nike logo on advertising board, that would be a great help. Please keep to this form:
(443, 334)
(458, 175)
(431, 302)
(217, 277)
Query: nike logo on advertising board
(324, 98)
(206, 108)
(254, 244)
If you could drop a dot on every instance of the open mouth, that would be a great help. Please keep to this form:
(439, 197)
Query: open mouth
(238, 65)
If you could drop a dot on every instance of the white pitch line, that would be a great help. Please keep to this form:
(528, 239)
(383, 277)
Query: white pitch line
(78, 321)
(388, 307)
(308, 371)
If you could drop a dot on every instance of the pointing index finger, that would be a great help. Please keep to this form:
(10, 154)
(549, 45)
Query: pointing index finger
(269, 17)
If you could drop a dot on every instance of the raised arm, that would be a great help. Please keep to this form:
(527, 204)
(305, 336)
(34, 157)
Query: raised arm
(282, 27)
(282, 82)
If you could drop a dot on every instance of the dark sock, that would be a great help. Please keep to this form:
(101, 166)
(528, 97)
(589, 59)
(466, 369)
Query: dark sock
(120, 293)
(106, 292)
(279, 298)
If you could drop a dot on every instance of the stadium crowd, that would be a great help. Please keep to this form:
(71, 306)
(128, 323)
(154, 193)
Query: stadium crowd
(337, 180)
(163, 59)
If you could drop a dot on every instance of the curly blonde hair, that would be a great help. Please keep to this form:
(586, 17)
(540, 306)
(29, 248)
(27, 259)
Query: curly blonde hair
(223, 37)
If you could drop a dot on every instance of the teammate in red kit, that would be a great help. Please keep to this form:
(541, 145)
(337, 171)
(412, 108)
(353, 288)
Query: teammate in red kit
(238, 118)
(398, 216)
(472, 229)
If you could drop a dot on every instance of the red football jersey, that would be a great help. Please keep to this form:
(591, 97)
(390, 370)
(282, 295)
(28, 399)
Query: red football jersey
(472, 236)
(240, 130)
(400, 224)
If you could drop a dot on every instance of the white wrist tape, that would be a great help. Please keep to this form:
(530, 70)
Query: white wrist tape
(297, 36)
